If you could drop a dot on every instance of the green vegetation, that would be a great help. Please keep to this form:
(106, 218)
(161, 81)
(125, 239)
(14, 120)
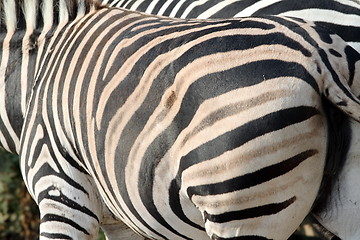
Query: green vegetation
(19, 217)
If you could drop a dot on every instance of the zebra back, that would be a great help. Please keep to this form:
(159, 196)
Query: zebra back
(341, 17)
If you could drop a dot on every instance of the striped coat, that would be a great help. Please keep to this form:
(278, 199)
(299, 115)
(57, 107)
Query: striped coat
(181, 129)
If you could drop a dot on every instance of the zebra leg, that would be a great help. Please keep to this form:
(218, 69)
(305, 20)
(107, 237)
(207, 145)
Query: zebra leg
(120, 231)
(341, 212)
(69, 211)
(67, 197)
(116, 229)
(322, 231)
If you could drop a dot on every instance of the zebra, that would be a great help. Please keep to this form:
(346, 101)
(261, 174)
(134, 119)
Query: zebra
(341, 16)
(180, 129)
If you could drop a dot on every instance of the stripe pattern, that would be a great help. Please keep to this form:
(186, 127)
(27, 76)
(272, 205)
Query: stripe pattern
(341, 16)
(184, 129)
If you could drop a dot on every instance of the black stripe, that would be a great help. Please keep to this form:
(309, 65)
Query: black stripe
(20, 17)
(143, 6)
(182, 8)
(158, 5)
(252, 179)
(62, 199)
(269, 123)
(56, 218)
(124, 3)
(8, 139)
(199, 9)
(232, 9)
(56, 9)
(252, 237)
(297, 28)
(175, 205)
(245, 42)
(347, 33)
(264, 210)
(130, 3)
(13, 84)
(352, 58)
(47, 170)
(56, 236)
(168, 9)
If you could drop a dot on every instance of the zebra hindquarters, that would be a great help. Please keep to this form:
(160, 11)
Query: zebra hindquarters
(340, 213)
(258, 172)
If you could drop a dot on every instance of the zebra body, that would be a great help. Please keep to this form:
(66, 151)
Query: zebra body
(180, 129)
(340, 16)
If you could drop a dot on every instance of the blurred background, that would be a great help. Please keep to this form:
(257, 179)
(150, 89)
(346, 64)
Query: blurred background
(19, 216)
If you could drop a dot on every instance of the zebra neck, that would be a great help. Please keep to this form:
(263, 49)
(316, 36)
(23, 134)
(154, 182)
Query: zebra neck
(25, 27)
(31, 15)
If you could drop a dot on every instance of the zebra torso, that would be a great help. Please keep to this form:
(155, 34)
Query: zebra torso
(340, 16)
(184, 129)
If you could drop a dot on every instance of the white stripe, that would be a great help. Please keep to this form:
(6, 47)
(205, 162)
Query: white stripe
(255, 7)
(30, 12)
(151, 6)
(63, 12)
(136, 5)
(355, 45)
(48, 14)
(24, 72)
(118, 4)
(192, 6)
(322, 15)
(352, 3)
(164, 7)
(81, 8)
(176, 8)
(10, 15)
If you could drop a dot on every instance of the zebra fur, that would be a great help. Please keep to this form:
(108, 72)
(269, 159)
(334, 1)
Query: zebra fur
(177, 91)
(340, 16)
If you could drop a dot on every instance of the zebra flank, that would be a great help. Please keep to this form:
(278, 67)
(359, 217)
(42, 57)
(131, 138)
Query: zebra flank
(178, 129)
(339, 16)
